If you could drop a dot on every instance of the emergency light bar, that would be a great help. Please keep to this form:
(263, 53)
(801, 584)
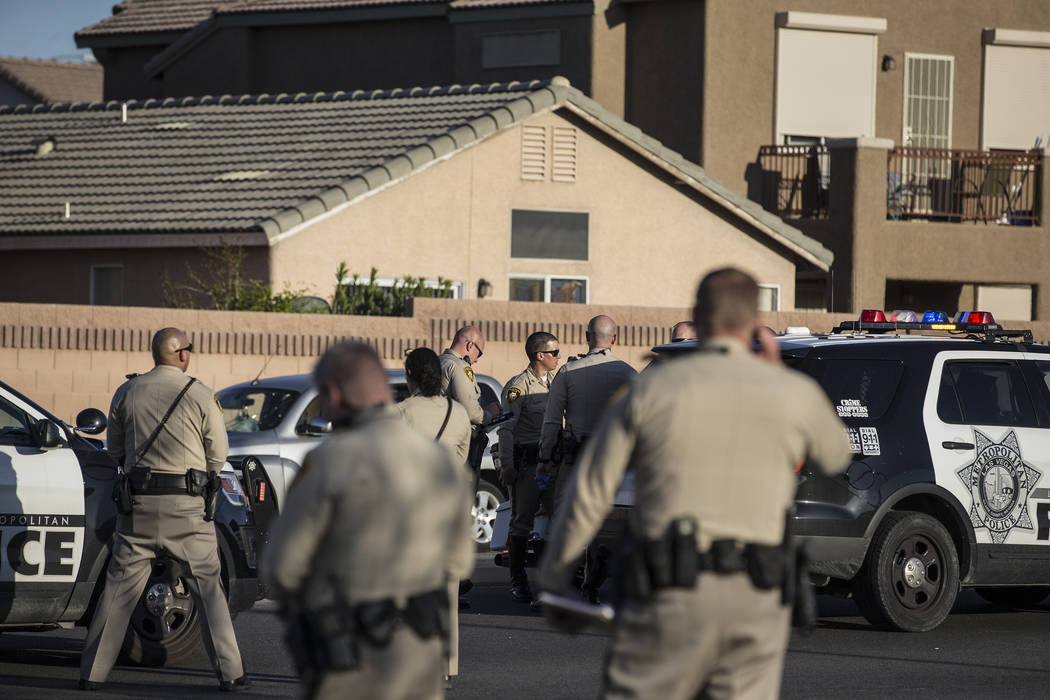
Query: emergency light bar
(981, 322)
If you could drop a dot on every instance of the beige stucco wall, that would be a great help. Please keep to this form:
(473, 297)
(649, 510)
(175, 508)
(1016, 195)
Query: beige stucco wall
(740, 61)
(649, 241)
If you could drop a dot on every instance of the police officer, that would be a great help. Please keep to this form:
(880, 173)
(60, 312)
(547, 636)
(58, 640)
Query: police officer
(714, 438)
(445, 420)
(374, 529)
(525, 397)
(442, 418)
(164, 467)
(458, 380)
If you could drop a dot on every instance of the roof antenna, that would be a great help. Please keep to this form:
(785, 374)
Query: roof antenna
(124, 112)
(255, 381)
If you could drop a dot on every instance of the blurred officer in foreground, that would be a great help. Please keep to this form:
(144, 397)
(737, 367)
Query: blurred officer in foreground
(457, 376)
(713, 438)
(580, 393)
(444, 420)
(440, 417)
(525, 396)
(168, 434)
(375, 527)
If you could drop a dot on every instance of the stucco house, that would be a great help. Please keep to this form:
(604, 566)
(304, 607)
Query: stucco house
(514, 191)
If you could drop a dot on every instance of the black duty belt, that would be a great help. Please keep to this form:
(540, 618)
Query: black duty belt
(526, 454)
(161, 485)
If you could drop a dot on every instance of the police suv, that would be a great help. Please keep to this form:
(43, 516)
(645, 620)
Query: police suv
(57, 517)
(949, 482)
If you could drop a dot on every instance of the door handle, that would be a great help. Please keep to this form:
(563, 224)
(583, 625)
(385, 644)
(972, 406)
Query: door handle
(949, 445)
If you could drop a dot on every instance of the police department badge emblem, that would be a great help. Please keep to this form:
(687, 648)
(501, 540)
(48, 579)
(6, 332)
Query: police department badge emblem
(469, 372)
(999, 482)
(513, 394)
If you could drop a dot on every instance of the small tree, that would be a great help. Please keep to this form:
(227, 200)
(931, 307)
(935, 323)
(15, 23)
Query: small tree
(367, 298)
(220, 284)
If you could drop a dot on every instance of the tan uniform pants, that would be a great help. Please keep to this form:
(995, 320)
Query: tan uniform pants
(172, 525)
(409, 668)
(726, 639)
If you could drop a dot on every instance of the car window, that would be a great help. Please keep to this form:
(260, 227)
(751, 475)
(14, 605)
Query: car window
(313, 410)
(990, 393)
(250, 409)
(858, 388)
(14, 425)
(487, 394)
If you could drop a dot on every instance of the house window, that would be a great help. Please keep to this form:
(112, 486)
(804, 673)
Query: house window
(550, 288)
(518, 49)
(548, 234)
(1016, 89)
(928, 100)
(825, 74)
(107, 285)
(769, 297)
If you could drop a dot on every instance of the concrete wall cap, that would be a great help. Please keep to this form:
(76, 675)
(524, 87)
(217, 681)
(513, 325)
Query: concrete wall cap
(861, 142)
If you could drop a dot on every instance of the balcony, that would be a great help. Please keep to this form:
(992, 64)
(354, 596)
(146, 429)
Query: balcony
(941, 184)
(794, 180)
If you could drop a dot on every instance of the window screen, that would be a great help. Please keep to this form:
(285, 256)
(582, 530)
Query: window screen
(1016, 96)
(861, 389)
(992, 393)
(107, 285)
(548, 234)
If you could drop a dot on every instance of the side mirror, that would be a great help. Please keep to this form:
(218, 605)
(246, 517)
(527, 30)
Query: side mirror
(318, 426)
(46, 434)
(91, 421)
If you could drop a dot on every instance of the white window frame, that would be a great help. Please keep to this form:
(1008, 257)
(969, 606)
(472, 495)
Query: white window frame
(547, 283)
(91, 280)
(775, 287)
(904, 93)
(387, 283)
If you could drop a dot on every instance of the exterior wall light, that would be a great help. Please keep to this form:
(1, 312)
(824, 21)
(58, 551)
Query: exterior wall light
(889, 63)
(484, 288)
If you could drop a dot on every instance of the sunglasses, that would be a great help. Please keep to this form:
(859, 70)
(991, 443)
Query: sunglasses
(480, 352)
(188, 348)
(552, 353)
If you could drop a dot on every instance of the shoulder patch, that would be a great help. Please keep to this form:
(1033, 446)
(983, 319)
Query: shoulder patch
(469, 372)
(513, 394)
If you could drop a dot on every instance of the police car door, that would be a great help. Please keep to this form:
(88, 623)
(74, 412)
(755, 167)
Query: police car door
(989, 451)
(41, 518)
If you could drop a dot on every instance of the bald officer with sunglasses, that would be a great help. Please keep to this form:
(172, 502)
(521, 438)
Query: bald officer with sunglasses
(168, 433)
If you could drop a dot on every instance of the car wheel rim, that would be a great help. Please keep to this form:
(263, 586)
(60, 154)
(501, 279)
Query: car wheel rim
(917, 572)
(164, 611)
(484, 512)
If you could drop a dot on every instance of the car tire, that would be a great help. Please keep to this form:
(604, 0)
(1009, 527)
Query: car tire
(157, 638)
(1014, 596)
(483, 511)
(910, 577)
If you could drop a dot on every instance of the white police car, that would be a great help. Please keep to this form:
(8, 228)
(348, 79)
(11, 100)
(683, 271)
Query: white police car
(56, 519)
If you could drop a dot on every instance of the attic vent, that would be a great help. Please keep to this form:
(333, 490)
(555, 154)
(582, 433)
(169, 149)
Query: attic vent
(533, 152)
(243, 175)
(563, 165)
(170, 126)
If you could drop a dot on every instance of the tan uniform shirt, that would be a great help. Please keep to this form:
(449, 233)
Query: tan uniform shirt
(427, 413)
(457, 381)
(580, 393)
(525, 396)
(194, 436)
(379, 510)
(715, 435)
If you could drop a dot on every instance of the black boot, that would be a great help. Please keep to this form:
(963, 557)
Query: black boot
(519, 581)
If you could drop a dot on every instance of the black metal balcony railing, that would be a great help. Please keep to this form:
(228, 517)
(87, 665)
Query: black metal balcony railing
(795, 180)
(955, 185)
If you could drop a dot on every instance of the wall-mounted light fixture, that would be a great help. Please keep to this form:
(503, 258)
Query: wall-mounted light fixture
(889, 63)
(484, 288)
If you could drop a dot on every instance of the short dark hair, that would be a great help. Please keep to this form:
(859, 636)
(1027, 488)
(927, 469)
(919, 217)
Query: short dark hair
(537, 342)
(357, 370)
(423, 365)
(726, 300)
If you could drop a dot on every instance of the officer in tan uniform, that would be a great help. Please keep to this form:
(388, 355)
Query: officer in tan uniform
(714, 438)
(441, 417)
(165, 518)
(445, 420)
(458, 380)
(525, 396)
(374, 529)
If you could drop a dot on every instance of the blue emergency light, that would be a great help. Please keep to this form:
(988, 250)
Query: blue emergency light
(934, 317)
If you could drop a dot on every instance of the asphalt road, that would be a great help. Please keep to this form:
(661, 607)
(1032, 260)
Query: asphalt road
(508, 652)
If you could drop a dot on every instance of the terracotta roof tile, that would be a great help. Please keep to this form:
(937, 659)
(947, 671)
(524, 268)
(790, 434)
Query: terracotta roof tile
(53, 81)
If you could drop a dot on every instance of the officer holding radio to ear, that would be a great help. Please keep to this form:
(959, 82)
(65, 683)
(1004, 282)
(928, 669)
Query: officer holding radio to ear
(713, 438)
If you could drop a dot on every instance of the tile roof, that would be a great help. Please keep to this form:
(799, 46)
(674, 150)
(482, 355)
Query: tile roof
(265, 163)
(53, 81)
(152, 16)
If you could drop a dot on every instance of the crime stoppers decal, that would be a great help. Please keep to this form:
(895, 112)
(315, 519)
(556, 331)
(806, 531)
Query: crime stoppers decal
(999, 482)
